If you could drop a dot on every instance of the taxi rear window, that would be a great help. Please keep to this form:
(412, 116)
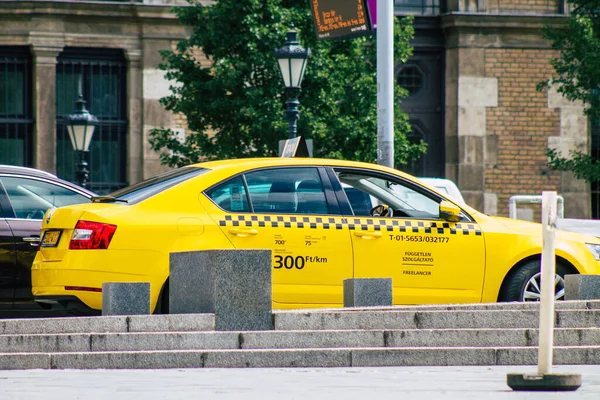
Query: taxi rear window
(151, 187)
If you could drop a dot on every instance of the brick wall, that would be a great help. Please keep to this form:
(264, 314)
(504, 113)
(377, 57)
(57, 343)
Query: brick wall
(522, 123)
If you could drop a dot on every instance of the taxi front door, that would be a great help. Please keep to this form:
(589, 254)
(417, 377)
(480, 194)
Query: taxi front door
(311, 249)
(429, 260)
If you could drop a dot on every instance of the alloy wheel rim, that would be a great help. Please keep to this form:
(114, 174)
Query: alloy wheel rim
(532, 290)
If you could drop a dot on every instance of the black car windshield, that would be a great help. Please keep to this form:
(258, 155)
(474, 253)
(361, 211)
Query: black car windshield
(150, 187)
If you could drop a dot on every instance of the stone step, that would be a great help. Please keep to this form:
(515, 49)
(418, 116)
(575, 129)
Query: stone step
(429, 319)
(282, 358)
(334, 319)
(496, 334)
(159, 341)
(528, 305)
(134, 323)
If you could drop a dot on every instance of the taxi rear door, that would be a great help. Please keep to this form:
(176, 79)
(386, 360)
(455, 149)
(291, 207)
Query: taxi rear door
(293, 212)
(429, 260)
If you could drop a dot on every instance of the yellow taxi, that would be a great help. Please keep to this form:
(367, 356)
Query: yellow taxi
(324, 220)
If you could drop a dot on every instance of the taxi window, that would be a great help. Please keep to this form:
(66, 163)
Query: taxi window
(287, 191)
(230, 196)
(152, 186)
(367, 191)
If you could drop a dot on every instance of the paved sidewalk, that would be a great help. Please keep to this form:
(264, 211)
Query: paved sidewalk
(411, 383)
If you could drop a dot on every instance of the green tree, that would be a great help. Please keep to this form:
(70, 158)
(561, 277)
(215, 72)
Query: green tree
(578, 77)
(234, 107)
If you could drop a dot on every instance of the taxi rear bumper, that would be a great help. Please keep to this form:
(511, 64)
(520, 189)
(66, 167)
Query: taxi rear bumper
(67, 304)
(55, 284)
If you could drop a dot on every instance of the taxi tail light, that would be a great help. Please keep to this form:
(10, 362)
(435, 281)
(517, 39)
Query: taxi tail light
(90, 235)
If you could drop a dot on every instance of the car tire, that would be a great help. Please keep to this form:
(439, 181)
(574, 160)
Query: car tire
(523, 283)
(162, 306)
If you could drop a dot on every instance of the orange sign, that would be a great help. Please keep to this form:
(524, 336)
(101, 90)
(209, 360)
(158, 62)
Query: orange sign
(337, 19)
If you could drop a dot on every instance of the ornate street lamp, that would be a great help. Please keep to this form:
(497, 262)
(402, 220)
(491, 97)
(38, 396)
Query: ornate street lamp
(81, 125)
(292, 62)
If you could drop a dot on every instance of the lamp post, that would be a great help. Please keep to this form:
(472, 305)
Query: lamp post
(292, 63)
(81, 125)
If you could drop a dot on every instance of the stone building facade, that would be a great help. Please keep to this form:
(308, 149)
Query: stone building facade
(472, 83)
(113, 47)
(497, 126)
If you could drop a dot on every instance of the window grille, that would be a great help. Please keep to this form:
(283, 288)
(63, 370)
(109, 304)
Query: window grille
(410, 78)
(418, 7)
(16, 120)
(103, 79)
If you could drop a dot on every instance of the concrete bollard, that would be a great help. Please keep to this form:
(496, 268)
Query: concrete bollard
(235, 285)
(582, 287)
(125, 298)
(367, 292)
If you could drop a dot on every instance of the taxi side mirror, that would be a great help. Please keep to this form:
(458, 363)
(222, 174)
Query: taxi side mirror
(449, 212)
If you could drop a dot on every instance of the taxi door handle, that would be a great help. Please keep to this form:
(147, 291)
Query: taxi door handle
(368, 235)
(32, 240)
(241, 232)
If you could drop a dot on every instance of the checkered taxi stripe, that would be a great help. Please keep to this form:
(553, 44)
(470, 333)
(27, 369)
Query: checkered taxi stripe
(351, 223)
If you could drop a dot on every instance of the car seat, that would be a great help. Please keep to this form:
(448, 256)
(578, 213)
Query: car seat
(282, 197)
(311, 198)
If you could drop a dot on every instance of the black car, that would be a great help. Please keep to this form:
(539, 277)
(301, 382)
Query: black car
(25, 195)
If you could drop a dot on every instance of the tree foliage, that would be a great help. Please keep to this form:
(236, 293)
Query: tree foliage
(578, 76)
(582, 165)
(234, 104)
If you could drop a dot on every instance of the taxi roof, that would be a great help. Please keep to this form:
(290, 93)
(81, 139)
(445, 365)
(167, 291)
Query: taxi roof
(245, 163)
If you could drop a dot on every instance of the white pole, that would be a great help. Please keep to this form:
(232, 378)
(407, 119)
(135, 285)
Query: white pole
(385, 82)
(546, 334)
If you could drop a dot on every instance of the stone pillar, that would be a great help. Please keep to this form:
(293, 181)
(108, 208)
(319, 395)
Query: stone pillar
(44, 103)
(235, 285)
(468, 146)
(135, 136)
(475, 93)
(154, 87)
(451, 114)
(574, 136)
(367, 292)
(582, 287)
(125, 298)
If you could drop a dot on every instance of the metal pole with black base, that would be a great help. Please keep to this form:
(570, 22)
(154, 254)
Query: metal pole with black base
(80, 126)
(83, 172)
(292, 113)
(545, 380)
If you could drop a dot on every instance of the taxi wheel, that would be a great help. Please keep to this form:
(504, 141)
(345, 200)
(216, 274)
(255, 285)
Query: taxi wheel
(162, 306)
(523, 284)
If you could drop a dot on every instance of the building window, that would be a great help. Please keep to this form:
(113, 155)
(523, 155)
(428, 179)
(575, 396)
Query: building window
(419, 7)
(16, 121)
(410, 78)
(102, 74)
